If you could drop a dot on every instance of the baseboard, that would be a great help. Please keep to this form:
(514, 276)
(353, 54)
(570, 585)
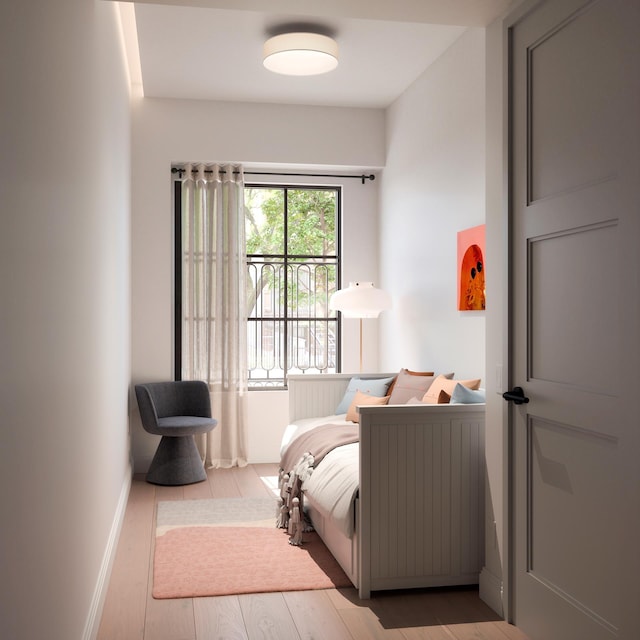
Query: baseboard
(97, 602)
(491, 591)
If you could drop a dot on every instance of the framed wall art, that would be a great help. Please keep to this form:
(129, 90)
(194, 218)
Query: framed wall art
(471, 269)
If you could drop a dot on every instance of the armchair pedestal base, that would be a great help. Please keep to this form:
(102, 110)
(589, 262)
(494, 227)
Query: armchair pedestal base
(177, 461)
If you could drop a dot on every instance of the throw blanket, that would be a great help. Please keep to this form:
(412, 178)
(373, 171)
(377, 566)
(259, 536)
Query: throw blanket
(296, 465)
(318, 442)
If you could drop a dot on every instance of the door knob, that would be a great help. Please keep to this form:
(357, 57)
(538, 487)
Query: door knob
(516, 395)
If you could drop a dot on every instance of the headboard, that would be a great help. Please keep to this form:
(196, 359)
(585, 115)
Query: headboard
(317, 395)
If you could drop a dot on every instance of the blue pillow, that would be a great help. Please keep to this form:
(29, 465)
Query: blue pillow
(377, 387)
(464, 395)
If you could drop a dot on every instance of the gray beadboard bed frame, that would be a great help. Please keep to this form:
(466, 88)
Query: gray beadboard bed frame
(420, 507)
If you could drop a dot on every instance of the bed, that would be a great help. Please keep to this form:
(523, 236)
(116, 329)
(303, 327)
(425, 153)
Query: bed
(416, 515)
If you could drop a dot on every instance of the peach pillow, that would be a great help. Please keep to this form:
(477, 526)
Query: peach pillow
(443, 398)
(360, 399)
(443, 384)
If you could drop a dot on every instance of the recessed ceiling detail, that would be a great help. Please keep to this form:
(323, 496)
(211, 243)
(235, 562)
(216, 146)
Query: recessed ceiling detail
(206, 53)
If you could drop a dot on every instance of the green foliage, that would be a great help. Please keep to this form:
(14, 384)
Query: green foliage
(311, 221)
(311, 231)
(264, 220)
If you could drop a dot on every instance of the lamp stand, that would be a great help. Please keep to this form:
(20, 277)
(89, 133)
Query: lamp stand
(360, 345)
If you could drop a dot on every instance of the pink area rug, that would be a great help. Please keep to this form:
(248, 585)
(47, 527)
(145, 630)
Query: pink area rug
(230, 546)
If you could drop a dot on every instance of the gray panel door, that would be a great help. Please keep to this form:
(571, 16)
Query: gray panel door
(575, 307)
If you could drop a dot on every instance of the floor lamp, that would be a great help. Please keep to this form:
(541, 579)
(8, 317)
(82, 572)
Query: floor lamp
(360, 300)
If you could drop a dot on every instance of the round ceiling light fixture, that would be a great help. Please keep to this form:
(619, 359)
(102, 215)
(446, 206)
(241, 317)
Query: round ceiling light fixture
(300, 54)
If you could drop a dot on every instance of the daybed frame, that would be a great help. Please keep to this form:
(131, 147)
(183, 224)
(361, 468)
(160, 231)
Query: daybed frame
(420, 510)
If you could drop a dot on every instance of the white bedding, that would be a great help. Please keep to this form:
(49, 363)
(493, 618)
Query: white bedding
(333, 485)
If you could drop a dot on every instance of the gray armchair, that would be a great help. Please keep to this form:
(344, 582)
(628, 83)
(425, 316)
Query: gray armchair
(176, 411)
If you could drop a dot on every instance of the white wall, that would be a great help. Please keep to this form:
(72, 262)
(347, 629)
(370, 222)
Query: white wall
(434, 186)
(329, 140)
(64, 322)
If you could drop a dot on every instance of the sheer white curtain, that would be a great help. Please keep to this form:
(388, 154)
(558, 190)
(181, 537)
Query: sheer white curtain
(214, 319)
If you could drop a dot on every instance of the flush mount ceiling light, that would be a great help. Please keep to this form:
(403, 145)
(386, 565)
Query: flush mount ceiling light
(300, 54)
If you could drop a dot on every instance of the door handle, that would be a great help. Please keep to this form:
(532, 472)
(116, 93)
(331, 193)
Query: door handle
(516, 395)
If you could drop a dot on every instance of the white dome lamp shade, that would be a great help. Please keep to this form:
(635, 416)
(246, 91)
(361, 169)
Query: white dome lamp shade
(300, 54)
(360, 300)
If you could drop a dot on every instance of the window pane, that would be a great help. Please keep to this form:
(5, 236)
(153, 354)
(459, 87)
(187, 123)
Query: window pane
(265, 353)
(312, 346)
(264, 221)
(292, 269)
(266, 288)
(311, 218)
(312, 282)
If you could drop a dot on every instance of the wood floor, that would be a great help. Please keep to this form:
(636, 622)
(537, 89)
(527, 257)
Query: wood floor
(130, 613)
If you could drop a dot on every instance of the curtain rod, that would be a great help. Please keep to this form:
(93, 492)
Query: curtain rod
(362, 177)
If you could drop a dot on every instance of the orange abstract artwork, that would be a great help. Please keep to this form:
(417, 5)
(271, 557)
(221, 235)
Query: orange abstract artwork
(471, 269)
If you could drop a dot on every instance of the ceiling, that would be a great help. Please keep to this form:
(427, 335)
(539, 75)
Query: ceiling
(212, 49)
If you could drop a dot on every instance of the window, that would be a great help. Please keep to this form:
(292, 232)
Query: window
(293, 265)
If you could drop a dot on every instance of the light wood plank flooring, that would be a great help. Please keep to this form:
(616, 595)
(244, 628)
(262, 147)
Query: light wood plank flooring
(130, 613)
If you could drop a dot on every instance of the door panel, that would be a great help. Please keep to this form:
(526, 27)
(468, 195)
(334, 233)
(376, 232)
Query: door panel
(575, 340)
(587, 260)
(569, 481)
(571, 149)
